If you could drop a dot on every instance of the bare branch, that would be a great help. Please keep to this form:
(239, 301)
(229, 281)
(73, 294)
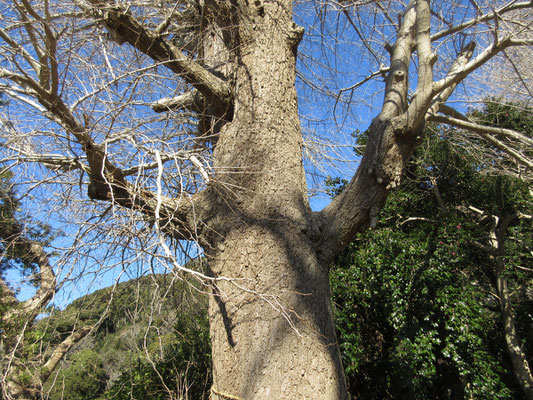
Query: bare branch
(31, 252)
(60, 351)
(20, 49)
(510, 6)
(485, 132)
(107, 182)
(192, 101)
(452, 112)
(22, 95)
(21, 80)
(416, 219)
(153, 45)
(381, 72)
(359, 203)
(397, 81)
(483, 129)
(472, 65)
(426, 59)
(482, 247)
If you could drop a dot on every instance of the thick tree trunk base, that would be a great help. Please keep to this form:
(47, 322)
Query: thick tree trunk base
(272, 328)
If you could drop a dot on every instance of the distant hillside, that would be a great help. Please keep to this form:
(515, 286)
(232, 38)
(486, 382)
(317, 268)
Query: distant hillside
(151, 338)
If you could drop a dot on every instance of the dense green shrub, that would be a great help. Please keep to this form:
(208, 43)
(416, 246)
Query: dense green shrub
(414, 305)
(180, 366)
(144, 352)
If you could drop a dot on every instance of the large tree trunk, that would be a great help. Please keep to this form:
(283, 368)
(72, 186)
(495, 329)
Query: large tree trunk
(272, 329)
(271, 326)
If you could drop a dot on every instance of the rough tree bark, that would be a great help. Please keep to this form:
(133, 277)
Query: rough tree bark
(270, 313)
(275, 339)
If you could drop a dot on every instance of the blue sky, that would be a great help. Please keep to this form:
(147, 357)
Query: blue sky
(332, 64)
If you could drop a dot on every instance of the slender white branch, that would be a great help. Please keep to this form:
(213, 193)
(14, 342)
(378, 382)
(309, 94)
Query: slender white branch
(472, 65)
(510, 6)
(192, 101)
(197, 163)
(17, 47)
(484, 129)
(485, 133)
(22, 96)
(462, 59)
(60, 351)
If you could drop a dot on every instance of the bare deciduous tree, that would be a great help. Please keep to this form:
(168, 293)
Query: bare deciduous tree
(182, 118)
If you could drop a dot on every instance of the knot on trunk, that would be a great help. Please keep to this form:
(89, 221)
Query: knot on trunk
(294, 36)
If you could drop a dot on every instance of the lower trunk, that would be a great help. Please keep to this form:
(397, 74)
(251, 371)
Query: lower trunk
(272, 328)
(518, 358)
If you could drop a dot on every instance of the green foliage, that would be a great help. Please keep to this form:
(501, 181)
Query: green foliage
(410, 324)
(414, 311)
(505, 115)
(361, 140)
(182, 367)
(147, 352)
(334, 185)
(85, 378)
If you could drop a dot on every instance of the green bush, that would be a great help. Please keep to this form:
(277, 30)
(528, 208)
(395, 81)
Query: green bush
(414, 309)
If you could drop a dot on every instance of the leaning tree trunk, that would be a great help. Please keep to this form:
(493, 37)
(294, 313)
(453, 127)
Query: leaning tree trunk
(518, 358)
(272, 329)
(514, 348)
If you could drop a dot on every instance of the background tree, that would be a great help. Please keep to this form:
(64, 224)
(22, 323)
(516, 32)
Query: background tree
(224, 168)
(26, 359)
(138, 350)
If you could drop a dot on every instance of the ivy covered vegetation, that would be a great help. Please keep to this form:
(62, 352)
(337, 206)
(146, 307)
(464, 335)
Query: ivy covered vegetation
(418, 308)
